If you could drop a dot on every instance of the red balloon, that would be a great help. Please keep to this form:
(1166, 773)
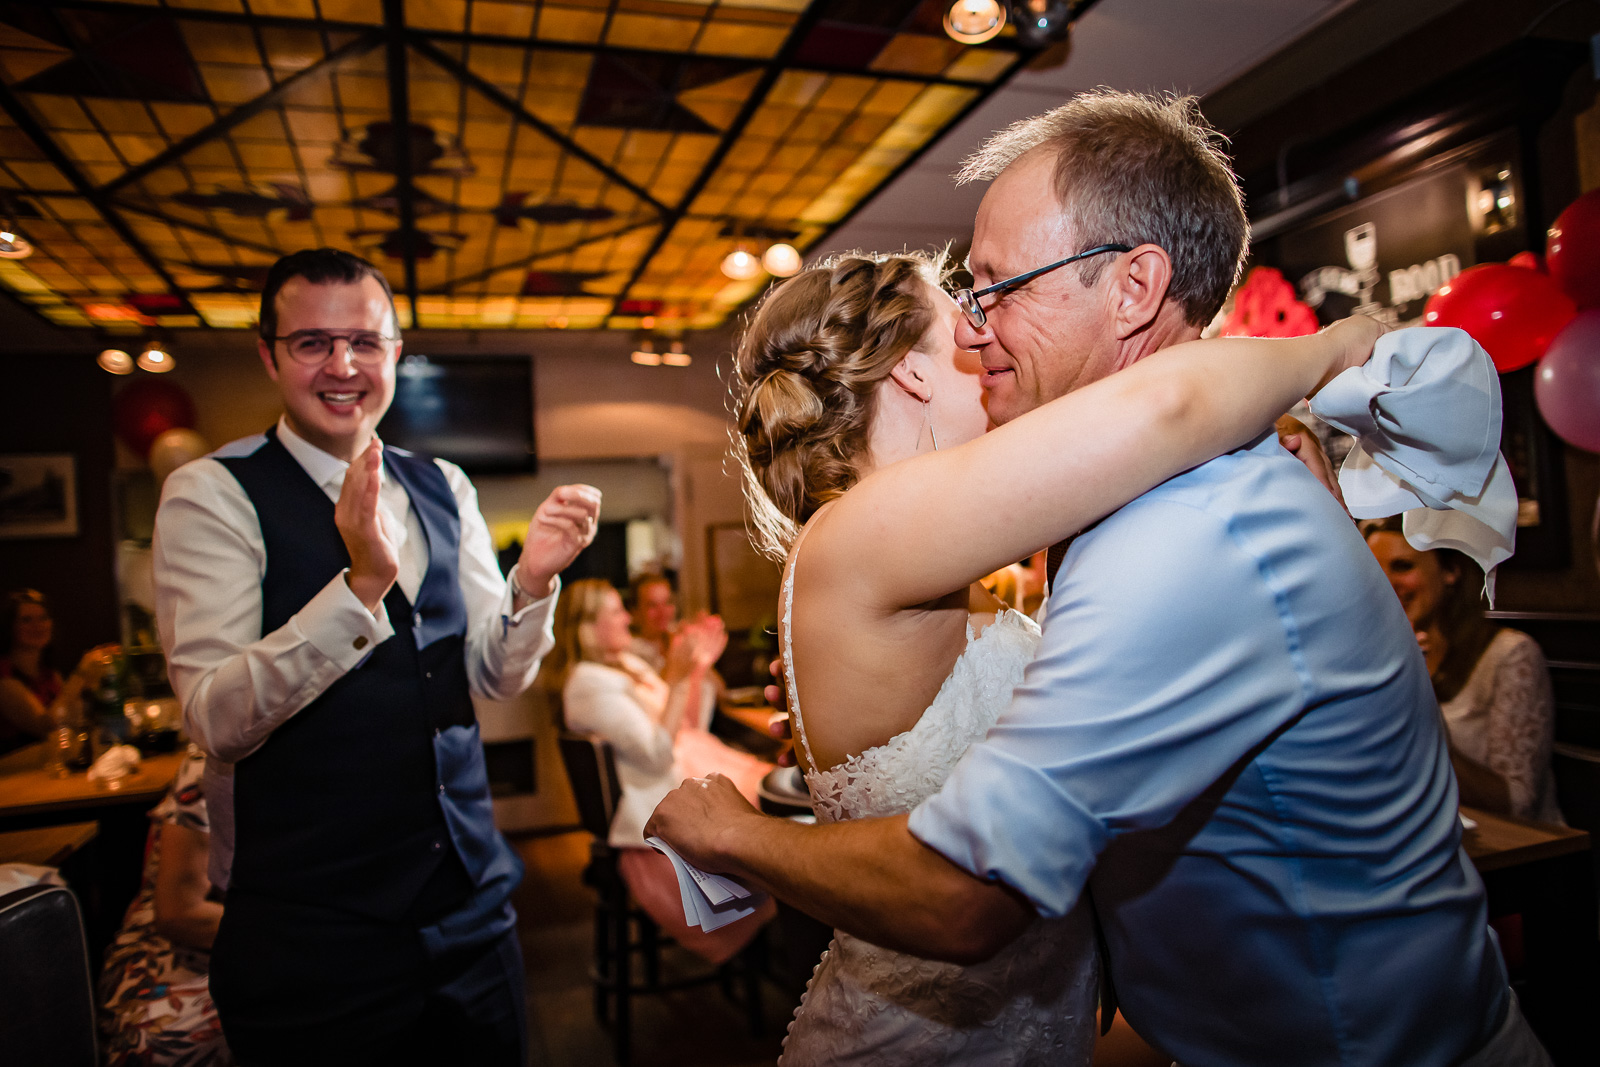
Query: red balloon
(147, 408)
(1527, 259)
(1573, 250)
(1567, 385)
(1513, 312)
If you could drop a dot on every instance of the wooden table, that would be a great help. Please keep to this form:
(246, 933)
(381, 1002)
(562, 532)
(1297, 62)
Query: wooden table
(32, 797)
(106, 874)
(1546, 875)
(1498, 842)
(48, 846)
(754, 718)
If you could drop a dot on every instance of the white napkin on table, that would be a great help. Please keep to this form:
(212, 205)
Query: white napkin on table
(1425, 410)
(115, 762)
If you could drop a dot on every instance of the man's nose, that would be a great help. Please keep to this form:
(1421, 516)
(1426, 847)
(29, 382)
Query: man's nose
(341, 362)
(970, 336)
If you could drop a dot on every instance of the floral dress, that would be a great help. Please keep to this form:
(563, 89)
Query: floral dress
(156, 996)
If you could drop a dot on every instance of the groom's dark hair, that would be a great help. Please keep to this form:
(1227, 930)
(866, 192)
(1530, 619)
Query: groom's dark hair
(1134, 169)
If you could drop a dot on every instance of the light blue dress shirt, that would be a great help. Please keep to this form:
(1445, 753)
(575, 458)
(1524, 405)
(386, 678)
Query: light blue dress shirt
(1230, 735)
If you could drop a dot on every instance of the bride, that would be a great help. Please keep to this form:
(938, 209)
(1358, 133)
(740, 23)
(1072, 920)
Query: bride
(861, 434)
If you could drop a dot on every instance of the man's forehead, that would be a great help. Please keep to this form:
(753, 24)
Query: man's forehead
(361, 304)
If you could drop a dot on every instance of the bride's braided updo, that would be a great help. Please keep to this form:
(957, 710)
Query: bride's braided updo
(805, 374)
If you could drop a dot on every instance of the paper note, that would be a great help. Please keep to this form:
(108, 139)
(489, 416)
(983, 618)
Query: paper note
(710, 901)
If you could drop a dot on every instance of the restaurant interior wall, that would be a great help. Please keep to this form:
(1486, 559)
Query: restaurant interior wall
(1388, 116)
(57, 403)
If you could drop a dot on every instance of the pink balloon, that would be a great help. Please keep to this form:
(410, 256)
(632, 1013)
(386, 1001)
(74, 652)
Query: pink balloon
(1567, 385)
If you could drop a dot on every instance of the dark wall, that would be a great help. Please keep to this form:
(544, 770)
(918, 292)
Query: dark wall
(62, 403)
(1471, 74)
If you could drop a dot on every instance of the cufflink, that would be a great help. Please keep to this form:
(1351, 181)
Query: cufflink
(359, 643)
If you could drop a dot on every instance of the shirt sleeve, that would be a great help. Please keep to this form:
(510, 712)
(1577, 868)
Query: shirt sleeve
(1521, 727)
(1166, 659)
(600, 701)
(236, 684)
(504, 648)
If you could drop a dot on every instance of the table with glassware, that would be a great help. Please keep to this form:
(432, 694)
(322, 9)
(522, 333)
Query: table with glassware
(106, 867)
(31, 795)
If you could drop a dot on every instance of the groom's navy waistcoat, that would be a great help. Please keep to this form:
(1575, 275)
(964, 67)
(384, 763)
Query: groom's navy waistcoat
(356, 801)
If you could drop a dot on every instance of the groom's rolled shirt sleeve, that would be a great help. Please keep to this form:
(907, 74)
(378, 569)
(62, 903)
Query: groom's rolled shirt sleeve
(1168, 656)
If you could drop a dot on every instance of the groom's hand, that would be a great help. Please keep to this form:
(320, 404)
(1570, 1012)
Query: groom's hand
(696, 819)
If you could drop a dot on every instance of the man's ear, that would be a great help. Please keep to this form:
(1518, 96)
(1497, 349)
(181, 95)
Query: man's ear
(1139, 289)
(910, 374)
(264, 350)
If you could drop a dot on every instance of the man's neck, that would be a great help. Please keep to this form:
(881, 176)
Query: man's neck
(344, 450)
(1164, 332)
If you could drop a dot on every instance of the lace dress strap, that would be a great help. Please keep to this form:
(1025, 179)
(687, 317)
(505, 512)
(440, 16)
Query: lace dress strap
(788, 642)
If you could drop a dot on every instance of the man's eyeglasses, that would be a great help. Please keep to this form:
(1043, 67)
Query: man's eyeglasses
(313, 346)
(968, 301)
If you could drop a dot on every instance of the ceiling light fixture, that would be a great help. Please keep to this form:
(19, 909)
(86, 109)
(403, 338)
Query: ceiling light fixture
(740, 265)
(646, 355)
(115, 361)
(974, 21)
(781, 260)
(1041, 23)
(675, 356)
(14, 246)
(155, 358)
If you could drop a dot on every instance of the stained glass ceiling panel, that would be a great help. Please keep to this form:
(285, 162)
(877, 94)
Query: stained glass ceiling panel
(508, 163)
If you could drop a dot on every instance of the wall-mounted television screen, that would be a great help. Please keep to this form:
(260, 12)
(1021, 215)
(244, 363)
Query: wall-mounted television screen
(474, 411)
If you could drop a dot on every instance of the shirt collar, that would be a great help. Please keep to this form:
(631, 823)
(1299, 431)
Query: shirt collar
(324, 468)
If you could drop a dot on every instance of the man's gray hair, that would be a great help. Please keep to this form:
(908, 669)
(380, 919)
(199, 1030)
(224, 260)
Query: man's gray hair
(1134, 169)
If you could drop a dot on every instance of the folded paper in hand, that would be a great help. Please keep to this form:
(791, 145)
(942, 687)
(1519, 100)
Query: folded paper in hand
(710, 901)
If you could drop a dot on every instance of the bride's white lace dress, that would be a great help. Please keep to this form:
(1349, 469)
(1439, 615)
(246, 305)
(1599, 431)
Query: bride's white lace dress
(1034, 1002)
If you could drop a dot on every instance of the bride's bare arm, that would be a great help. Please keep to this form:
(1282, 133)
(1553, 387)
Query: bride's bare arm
(917, 530)
(898, 892)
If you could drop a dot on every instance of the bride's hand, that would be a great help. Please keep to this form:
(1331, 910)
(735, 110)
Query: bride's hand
(1356, 336)
(1304, 446)
(694, 815)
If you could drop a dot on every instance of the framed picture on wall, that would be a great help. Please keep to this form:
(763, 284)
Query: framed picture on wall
(38, 496)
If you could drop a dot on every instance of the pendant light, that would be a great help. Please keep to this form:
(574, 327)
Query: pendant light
(115, 361)
(740, 265)
(1041, 23)
(781, 260)
(974, 21)
(155, 358)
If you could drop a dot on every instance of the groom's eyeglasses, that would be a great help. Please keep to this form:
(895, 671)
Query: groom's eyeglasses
(968, 301)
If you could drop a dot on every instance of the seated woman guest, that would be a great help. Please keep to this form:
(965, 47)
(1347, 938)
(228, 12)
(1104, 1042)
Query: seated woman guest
(655, 618)
(33, 695)
(656, 728)
(155, 992)
(1491, 682)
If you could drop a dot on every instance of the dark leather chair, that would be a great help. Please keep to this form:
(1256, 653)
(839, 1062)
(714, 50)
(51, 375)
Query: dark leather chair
(1577, 773)
(622, 931)
(48, 1013)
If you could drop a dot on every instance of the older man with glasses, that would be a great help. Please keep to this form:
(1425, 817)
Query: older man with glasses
(1226, 746)
(328, 607)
